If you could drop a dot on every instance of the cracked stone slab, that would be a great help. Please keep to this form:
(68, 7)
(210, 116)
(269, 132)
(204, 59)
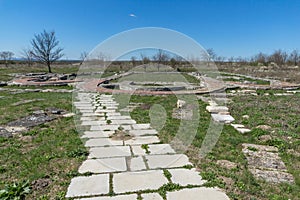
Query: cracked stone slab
(151, 196)
(105, 165)
(143, 132)
(97, 134)
(186, 177)
(120, 197)
(167, 161)
(101, 142)
(104, 127)
(265, 163)
(154, 149)
(137, 164)
(88, 185)
(142, 140)
(198, 193)
(136, 181)
(106, 152)
(272, 176)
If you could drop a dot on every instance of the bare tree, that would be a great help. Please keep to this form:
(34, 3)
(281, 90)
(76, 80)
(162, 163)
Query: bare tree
(294, 57)
(212, 54)
(27, 55)
(45, 48)
(83, 56)
(145, 60)
(6, 56)
(160, 57)
(279, 57)
(260, 58)
(133, 61)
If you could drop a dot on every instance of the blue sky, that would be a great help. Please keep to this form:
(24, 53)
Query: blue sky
(230, 27)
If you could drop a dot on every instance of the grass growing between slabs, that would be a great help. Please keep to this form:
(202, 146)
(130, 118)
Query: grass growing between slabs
(237, 182)
(49, 154)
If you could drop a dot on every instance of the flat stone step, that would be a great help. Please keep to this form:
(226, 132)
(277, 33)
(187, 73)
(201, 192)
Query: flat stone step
(153, 149)
(119, 197)
(88, 185)
(105, 165)
(97, 134)
(101, 142)
(197, 193)
(143, 132)
(167, 161)
(136, 181)
(106, 152)
(142, 140)
(186, 177)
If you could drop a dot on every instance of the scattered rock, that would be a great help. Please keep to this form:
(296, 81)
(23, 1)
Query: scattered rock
(245, 116)
(16, 129)
(2, 83)
(31, 120)
(180, 103)
(5, 133)
(264, 127)
(38, 112)
(68, 115)
(55, 111)
(265, 138)
(227, 164)
(40, 184)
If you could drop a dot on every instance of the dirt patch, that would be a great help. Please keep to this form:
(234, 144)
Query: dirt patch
(40, 184)
(121, 135)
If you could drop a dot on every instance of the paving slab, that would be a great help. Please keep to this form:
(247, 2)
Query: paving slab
(92, 123)
(88, 185)
(101, 142)
(142, 140)
(104, 127)
(104, 165)
(119, 197)
(143, 132)
(154, 149)
(216, 109)
(123, 121)
(197, 194)
(135, 181)
(118, 117)
(141, 126)
(137, 164)
(167, 161)
(222, 118)
(97, 134)
(151, 196)
(243, 130)
(186, 177)
(106, 152)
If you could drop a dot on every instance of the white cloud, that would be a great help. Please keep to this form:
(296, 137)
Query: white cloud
(132, 15)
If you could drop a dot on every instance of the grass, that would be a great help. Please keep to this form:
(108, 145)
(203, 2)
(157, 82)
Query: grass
(281, 113)
(45, 155)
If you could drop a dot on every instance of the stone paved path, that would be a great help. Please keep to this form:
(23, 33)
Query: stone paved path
(137, 167)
